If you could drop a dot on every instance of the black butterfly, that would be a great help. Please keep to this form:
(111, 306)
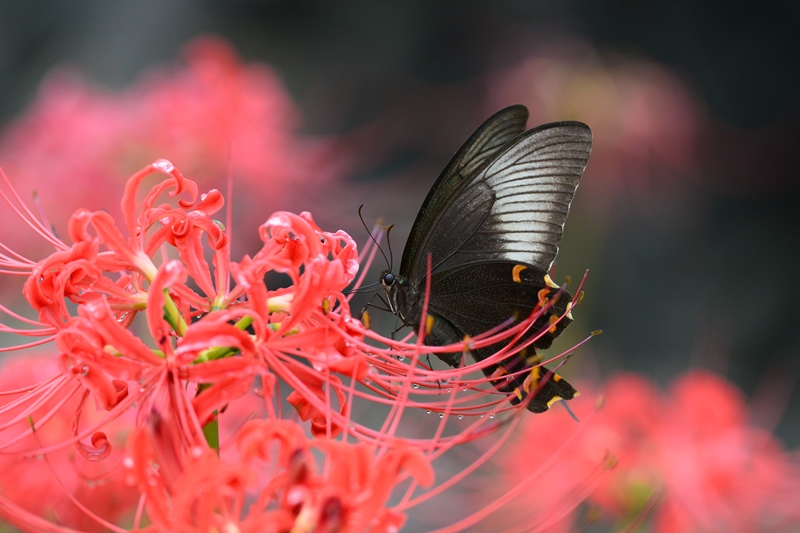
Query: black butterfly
(491, 224)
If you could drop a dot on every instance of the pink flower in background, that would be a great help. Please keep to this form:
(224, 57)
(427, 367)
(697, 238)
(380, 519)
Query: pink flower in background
(212, 115)
(687, 459)
(646, 121)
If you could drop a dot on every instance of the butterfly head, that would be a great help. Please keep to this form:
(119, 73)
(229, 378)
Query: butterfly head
(399, 294)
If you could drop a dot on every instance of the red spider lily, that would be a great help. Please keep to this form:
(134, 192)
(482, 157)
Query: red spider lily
(199, 492)
(58, 484)
(685, 460)
(155, 315)
(210, 113)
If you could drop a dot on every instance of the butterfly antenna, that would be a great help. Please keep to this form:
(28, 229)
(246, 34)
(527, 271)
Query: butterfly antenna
(389, 244)
(371, 236)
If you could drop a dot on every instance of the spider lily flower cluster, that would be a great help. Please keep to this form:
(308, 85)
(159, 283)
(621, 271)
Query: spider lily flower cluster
(170, 363)
(689, 458)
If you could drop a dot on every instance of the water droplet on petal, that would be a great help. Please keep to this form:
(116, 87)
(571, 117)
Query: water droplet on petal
(461, 417)
(163, 165)
(427, 411)
(441, 415)
(415, 385)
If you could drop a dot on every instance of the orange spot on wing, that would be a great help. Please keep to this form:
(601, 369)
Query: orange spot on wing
(543, 297)
(516, 271)
(553, 324)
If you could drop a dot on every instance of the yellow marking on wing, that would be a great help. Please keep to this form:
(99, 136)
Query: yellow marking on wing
(532, 379)
(535, 359)
(549, 281)
(428, 324)
(553, 400)
(365, 319)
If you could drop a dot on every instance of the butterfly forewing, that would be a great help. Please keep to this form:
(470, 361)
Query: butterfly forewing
(486, 142)
(513, 207)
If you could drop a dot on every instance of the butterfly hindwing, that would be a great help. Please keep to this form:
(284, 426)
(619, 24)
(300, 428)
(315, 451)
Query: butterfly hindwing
(471, 299)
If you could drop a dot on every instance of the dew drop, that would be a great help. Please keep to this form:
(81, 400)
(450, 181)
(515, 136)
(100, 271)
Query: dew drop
(163, 165)
(427, 411)
(441, 415)
(401, 358)
(461, 417)
(491, 415)
(415, 385)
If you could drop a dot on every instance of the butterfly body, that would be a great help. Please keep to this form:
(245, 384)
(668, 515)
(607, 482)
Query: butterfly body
(491, 226)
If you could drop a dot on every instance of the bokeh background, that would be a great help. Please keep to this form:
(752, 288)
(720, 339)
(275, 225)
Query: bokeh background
(687, 218)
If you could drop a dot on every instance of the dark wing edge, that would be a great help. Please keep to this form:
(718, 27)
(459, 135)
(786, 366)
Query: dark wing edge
(495, 132)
